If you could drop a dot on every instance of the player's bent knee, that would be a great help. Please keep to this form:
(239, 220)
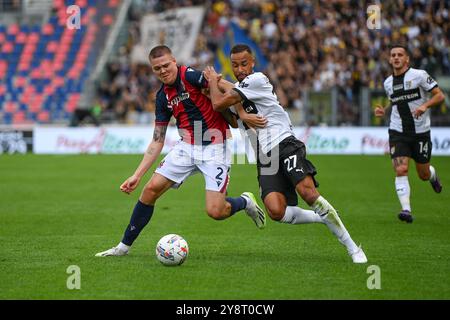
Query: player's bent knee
(275, 215)
(216, 213)
(149, 194)
(275, 211)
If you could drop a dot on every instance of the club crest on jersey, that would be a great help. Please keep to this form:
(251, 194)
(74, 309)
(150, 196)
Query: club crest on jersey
(408, 84)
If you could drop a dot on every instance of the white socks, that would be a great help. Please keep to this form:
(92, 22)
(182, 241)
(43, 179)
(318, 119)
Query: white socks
(296, 215)
(403, 190)
(331, 219)
(433, 173)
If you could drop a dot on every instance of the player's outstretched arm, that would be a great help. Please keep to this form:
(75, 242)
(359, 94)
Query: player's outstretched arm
(150, 156)
(225, 85)
(251, 119)
(223, 96)
(220, 100)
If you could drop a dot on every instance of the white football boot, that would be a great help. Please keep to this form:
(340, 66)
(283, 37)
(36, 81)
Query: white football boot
(254, 211)
(359, 256)
(115, 251)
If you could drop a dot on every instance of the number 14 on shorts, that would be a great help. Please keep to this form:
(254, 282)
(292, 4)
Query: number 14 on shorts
(423, 147)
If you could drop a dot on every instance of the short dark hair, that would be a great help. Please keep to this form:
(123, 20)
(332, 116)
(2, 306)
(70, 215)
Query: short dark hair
(399, 45)
(159, 51)
(238, 48)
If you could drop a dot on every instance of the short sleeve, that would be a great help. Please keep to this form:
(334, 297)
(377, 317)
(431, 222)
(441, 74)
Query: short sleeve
(196, 78)
(386, 91)
(162, 112)
(252, 87)
(426, 81)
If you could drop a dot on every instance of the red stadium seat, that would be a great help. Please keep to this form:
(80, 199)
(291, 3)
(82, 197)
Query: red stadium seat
(107, 20)
(20, 82)
(19, 117)
(81, 3)
(43, 116)
(113, 3)
(57, 4)
(23, 67)
(21, 38)
(10, 106)
(8, 47)
(48, 29)
(49, 90)
(52, 46)
(33, 38)
(58, 81)
(13, 29)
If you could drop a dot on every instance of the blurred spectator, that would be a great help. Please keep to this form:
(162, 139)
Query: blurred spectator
(311, 45)
(86, 114)
(10, 5)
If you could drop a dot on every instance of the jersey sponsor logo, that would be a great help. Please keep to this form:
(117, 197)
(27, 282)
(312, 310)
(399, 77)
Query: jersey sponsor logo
(243, 85)
(430, 80)
(175, 101)
(406, 96)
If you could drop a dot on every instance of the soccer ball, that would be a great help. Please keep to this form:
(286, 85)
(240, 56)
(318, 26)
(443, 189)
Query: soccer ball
(172, 250)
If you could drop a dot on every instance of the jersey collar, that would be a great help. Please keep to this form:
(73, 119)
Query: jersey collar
(401, 74)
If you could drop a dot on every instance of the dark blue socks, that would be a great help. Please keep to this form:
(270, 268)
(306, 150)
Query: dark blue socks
(237, 204)
(139, 219)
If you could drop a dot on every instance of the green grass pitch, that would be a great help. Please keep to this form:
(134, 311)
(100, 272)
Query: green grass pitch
(58, 211)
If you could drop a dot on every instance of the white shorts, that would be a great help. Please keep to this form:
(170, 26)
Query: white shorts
(213, 161)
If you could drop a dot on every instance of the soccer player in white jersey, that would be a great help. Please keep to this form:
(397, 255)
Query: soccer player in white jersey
(278, 149)
(409, 130)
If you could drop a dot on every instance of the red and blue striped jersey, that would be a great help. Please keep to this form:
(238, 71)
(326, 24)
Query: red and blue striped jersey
(196, 119)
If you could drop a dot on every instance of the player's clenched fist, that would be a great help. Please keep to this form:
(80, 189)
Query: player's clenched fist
(379, 111)
(130, 184)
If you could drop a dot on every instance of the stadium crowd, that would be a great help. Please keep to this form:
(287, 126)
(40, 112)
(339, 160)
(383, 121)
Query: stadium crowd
(310, 45)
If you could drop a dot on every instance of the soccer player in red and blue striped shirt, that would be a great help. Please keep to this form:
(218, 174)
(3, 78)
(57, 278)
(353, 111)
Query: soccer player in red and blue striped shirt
(202, 148)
